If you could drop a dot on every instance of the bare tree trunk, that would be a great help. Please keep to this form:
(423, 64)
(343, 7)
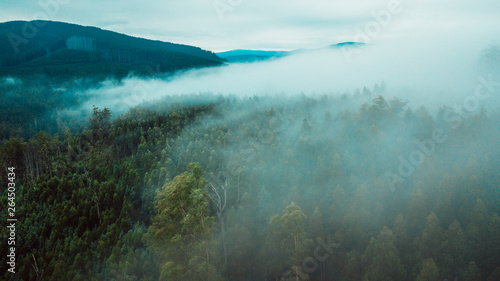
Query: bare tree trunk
(238, 189)
(208, 258)
(223, 230)
(37, 169)
(295, 250)
(219, 198)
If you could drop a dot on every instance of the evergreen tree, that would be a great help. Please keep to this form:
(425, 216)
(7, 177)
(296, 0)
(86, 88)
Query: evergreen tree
(381, 258)
(182, 228)
(429, 271)
(289, 231)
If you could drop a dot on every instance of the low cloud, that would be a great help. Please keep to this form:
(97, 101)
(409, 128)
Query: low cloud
(432, 73)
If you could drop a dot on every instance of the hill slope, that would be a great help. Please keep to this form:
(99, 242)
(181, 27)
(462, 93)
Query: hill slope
(62, 49)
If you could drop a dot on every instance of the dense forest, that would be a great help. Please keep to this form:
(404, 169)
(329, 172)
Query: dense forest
(212, 187)
(62, 51)
(42, 104)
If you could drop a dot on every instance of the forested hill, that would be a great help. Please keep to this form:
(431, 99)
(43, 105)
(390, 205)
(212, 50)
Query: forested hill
(285, 188)
(61, 49)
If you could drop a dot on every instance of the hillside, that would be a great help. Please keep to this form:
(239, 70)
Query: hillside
(61, 49)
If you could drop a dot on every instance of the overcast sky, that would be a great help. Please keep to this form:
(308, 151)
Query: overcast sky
(221, 25)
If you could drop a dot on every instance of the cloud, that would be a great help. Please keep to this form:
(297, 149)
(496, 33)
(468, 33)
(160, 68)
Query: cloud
(427, 52)
(262, 24)
(442, 70)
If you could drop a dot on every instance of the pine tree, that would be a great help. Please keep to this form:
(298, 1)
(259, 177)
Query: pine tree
(381, 258)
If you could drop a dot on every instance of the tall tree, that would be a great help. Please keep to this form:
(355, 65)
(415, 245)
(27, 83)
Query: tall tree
(218, 194)
(381, 258)
(452, 249)
(183, 227)
(471, 272)
(289, 230)
(431, 237)
(429, 271)
(100, 124)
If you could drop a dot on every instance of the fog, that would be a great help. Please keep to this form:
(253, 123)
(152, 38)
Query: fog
(281, 134)
(428, 71)
(382, 155)
(352, 162)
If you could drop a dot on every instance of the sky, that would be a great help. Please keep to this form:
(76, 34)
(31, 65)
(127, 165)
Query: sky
(221, 25)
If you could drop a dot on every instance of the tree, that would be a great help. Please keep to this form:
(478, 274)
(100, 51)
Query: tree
(495, 275)
(478, 233)
(306, 127)
(400, 227)
(289, 231)
(182, 227)
(352, 268)
(471, 272)
(452, 249)
(381, 258)
(316, 228)
(264, 204)
(218, 194)
(100, 124)
(429, 271)
(431, 237)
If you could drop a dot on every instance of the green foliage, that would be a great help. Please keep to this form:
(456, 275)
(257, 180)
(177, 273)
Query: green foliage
(58, 50)
(114, 201)
(429, 271)
(183, 222)
(382, 258)
(78, 198)
(100, 124)
(471, 272)
(289, 235)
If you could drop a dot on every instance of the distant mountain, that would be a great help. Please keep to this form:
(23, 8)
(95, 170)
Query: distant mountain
(67, 50)
(240, 56)
(347, 44)
(250, 55)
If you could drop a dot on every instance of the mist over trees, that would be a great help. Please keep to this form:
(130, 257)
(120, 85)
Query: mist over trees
(213, 187)
(354, 185)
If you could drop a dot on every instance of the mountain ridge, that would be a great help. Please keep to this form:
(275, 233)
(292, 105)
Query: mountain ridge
(67, 49)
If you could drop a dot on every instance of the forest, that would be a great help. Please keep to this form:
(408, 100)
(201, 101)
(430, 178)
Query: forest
(354, 186)
(62, 51)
